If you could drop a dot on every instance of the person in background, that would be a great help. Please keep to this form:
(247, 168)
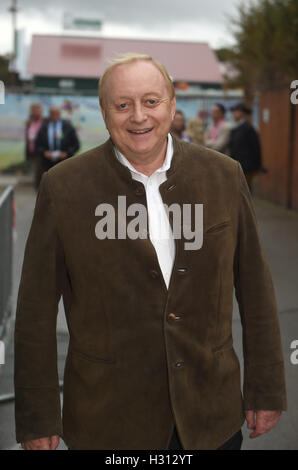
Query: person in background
(217, 136)
(195, 131)
(57, 140)
(178, 126)
(33, 125)
(244, 143)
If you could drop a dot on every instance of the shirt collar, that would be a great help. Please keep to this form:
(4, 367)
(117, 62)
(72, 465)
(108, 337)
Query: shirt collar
(56, 124)
(165, 166)
(239, 123)
(220, 123)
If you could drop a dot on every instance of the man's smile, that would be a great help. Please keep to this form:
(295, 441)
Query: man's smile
(140, 131)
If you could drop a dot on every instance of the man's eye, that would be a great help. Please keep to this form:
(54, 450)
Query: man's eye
(152, 102)
(122, 106)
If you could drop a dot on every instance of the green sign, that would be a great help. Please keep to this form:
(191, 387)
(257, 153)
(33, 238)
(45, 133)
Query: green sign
(70, 22)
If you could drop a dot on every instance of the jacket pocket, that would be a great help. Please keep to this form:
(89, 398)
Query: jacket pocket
(218, 227)
(91, 358)
(225, 346)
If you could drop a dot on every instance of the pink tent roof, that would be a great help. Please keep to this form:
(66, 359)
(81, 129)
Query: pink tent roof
(85, 57)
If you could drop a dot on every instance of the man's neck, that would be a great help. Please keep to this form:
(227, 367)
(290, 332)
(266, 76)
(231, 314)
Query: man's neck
(150, 167)
(152, 163)
(218, 121)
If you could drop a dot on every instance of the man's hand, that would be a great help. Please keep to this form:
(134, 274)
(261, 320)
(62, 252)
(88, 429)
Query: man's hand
(261, 421)
(62, 155)
(44, 443)
(48, 154)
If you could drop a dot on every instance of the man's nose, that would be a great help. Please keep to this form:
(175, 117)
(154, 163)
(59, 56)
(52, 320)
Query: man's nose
(139, 113)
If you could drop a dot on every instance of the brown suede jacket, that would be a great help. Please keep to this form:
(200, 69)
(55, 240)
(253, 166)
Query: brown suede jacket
(142, 357)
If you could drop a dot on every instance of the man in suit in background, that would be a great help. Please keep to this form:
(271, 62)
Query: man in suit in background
(33, 125)
(56, 140)
(244, 145)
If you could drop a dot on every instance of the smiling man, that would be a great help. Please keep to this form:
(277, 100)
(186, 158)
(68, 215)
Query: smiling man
(138, 105)
(151, 363)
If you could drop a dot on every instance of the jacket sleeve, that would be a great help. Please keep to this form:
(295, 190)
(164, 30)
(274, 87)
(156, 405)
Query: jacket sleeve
(264, 376)
(37, 397)
(41, 144)
(256, 148)
(73, 143)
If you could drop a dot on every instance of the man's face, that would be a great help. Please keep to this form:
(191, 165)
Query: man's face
(54, 114)
(216, 113)
(36, 112)
(138, 110)
(238, 115)
(178, 124)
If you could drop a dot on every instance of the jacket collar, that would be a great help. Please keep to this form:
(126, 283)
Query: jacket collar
(125, 173)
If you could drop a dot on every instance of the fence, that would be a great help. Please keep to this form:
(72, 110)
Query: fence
(6, 231)
(278, 132)
(85, 115)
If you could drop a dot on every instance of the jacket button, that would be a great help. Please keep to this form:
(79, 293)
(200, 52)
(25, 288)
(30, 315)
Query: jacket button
(173, 317)
(139, 190)
(182, 270)
(154, 274)
(179, 364)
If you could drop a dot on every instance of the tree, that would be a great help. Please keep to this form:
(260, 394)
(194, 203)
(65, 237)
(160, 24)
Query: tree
(5, 75)
(266, 52)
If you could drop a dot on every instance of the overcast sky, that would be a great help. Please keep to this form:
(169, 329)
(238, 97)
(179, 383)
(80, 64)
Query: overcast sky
(199, 20)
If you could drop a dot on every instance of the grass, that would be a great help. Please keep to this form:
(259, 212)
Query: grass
(11, 153)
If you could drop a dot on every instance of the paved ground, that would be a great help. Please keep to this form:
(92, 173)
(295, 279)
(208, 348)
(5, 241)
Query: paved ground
(279, 231)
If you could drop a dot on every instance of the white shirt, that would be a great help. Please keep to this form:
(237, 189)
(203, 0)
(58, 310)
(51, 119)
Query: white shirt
(160, 231)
